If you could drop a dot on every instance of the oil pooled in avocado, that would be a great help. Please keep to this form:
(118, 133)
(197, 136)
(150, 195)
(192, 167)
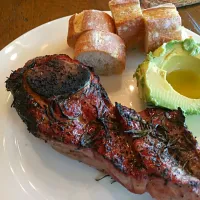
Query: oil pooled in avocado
(185, 82)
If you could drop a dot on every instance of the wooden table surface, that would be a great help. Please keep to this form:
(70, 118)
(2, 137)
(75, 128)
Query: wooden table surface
(20, 16)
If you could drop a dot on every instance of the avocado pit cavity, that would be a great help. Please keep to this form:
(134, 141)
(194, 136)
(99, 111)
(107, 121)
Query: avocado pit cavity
(183, 74)
(186, 82)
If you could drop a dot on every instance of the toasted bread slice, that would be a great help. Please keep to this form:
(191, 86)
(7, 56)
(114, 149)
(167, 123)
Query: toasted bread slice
(129, 22)
(104, 51)
(162, 24)
(88, 20)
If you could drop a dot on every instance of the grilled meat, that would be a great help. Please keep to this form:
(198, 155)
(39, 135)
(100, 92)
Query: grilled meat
(62, 102)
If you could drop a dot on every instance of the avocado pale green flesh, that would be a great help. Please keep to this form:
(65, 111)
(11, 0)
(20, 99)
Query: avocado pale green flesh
(151, 75)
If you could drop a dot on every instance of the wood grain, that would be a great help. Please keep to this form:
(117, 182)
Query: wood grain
(20, 16)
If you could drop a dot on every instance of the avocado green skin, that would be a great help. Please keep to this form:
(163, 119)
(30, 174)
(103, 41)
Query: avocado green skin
(151, 75)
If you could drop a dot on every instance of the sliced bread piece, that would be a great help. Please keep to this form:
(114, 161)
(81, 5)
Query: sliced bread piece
(104, 51)
(87, 20)
(129, 21)
(162, 24)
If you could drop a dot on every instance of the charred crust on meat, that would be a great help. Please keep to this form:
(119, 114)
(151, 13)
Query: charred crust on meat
(22, 99)
(129, 116)
(56, 77)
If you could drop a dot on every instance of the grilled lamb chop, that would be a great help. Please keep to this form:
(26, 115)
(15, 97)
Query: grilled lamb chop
(62, 102)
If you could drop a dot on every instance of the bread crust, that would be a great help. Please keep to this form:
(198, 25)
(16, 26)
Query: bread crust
(105, 42)
(129, 21)
(88, 20)
(162, 24)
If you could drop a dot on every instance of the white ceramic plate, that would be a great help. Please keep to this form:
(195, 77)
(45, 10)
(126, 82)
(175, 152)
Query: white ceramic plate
(29, 168)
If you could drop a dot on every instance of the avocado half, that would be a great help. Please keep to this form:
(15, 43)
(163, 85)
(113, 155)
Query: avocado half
(151, 75)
